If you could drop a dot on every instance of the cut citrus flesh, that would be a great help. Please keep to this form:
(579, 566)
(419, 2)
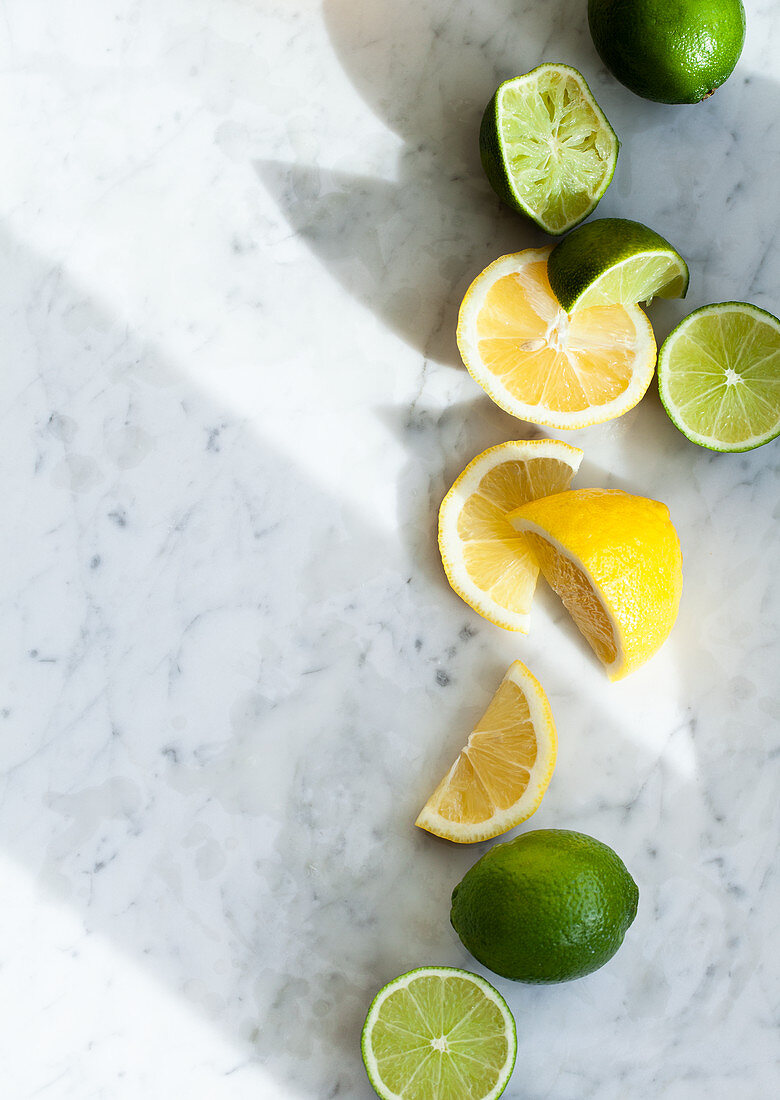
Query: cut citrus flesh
(719, 376)
(615, 260)
(544, 365)
(500, 777)
(486, 561)
(547, 147)
(438, 1033)
(615, 561)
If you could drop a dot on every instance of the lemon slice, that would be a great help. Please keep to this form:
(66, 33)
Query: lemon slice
(501, 775)
(544, 365)
(487, 563)
(615, 561)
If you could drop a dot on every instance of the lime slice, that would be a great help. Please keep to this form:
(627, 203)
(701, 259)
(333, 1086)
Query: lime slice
(719, 376)
(547, 147)
(614, 260)
(438, 1033)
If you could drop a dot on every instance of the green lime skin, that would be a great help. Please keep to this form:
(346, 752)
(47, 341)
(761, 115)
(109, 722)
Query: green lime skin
(549, 906)
(590, 249)
(670, 51)
(492, 155)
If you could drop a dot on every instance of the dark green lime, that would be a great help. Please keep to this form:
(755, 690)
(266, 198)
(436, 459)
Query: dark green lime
(549, 906)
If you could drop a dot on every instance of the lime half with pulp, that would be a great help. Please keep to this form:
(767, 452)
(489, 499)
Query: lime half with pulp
(719, 376)
(437, 1033)
(547, 147)
(615, 260)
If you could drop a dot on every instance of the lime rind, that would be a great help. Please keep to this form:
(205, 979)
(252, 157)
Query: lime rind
(615, 260)
(547, 147)
(670, 53)
(405, 1022)
(719, 377)
(640, 278)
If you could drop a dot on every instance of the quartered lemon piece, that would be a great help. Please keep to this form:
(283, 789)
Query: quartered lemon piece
(501, 775)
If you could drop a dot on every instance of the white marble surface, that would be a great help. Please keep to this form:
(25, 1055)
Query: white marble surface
(234, 237)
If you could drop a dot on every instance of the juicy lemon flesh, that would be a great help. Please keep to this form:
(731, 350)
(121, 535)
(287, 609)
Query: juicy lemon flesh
(577, 595)
(565, 362)
(496, 557)
(493, 770)
(725, 381)
(557, 149)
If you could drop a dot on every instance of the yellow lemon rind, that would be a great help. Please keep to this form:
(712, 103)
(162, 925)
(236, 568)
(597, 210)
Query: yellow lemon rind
(450, 543)
(620, 667)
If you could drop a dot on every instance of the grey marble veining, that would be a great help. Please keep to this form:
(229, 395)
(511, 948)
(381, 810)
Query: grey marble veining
(234, 239)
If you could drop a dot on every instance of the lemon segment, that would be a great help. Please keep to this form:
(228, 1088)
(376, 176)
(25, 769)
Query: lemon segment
(500, 777)
(615, 561)
(542, 364)
(487, 562)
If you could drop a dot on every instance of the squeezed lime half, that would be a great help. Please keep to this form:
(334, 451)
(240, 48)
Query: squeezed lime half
(547, 148)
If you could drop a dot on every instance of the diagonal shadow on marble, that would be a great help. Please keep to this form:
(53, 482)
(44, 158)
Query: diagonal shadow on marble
(212, 750)
(407, 247)
(233, 694)
(218, 739)
(227, 714)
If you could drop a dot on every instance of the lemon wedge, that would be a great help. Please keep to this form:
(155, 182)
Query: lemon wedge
(542, 364)
(486, 561)
(615, 561)
(501, 775)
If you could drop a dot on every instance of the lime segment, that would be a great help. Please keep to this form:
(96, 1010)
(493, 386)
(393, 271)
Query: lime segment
(719, 376)
(615, 260)
(547, 147)
(438, 1033)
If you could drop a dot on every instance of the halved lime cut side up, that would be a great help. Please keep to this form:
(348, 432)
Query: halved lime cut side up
(438, 1033)
(719, 376)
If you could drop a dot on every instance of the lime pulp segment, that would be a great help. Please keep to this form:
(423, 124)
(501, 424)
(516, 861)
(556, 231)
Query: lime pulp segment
(438, 1033)
(719, 376)
(556, 149)
(638, 279)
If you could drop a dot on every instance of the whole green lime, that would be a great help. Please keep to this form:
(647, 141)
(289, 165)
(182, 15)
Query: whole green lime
(672, 51)
(549, 906)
